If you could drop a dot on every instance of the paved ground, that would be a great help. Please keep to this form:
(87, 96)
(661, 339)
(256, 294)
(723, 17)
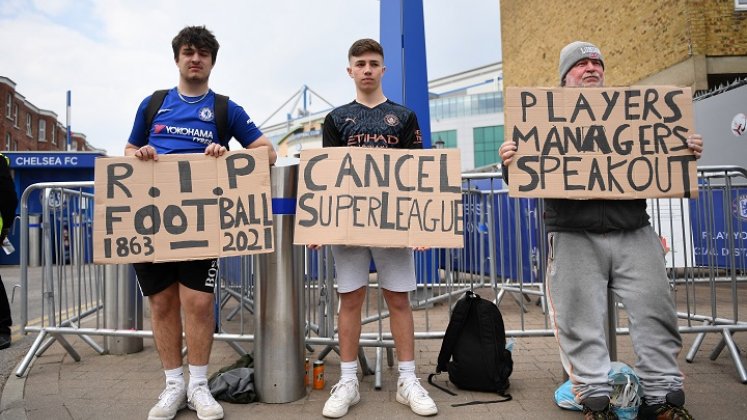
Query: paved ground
(124, 387)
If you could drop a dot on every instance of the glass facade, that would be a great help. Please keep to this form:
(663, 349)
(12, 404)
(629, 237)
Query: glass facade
(487, 142)
(449, 137)
(464, 106)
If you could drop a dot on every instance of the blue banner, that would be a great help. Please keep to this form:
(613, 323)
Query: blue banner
(718, 241)
(52, 159)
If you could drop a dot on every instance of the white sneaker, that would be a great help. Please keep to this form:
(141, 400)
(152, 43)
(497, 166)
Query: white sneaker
(342, 396)
(411, 393)
(202, 401)
(171, 400)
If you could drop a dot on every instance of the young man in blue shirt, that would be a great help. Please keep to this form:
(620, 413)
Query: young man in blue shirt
(186, 123)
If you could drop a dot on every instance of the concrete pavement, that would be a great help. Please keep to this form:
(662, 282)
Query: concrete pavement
(125, 387)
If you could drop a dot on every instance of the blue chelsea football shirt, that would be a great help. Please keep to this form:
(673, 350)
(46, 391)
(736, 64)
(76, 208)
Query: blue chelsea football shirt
(188, 126)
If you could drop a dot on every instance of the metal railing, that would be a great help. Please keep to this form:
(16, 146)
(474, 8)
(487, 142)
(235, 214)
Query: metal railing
(504, 255)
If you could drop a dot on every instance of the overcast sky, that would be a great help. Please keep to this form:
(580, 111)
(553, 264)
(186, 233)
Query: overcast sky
(113, 53)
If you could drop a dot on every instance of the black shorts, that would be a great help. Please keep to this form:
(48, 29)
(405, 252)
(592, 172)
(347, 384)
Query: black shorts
(197, 275)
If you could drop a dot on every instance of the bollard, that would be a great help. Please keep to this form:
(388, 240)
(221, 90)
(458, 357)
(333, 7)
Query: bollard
(279, 314)
(123, 308)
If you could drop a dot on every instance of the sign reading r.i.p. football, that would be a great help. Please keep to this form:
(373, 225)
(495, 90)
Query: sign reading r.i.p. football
(612, 143)
(182, 207)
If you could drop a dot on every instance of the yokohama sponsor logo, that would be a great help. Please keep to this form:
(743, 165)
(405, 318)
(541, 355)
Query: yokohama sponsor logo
(191, 132)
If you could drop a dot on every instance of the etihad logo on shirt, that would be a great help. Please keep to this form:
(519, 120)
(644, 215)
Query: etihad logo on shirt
(373, 140)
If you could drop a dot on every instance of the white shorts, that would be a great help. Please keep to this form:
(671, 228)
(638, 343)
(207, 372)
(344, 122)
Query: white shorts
(395, 267)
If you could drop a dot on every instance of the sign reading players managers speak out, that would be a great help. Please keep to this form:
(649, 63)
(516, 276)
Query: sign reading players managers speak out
(611, 143)
(380, 197)
(182, 207)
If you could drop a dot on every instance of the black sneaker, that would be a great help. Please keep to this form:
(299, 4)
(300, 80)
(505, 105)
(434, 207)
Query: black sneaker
(606, 414)
(598, 408)
(4, 341)
(672, 409)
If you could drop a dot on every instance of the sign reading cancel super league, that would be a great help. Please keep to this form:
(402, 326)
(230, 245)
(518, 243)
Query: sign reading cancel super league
(182, 207)
(380, 197)
(610, 143)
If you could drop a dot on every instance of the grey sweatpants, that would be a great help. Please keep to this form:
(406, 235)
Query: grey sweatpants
(581, 266)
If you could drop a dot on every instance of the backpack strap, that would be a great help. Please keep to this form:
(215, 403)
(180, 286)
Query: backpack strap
(221, 119)
(487, 331)
(507, 397)
(492, 338)
(458, 318)
(430, 381)
(153, 106)
(221, 114)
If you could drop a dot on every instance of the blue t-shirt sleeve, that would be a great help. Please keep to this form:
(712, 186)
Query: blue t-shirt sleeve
(138, 136)
(241, 126)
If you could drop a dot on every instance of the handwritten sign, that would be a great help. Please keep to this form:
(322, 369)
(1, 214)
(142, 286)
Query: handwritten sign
(380, 197)
(611, 143)
(182, 207)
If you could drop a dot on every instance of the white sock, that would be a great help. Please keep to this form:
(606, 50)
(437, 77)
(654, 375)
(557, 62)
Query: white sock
(406, 370)
(349, 371)
(175, 375)
(197, 375)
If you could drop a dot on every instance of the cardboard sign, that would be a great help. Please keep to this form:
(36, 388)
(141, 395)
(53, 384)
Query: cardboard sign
(182, 207)
(611, 143)
(380, 197)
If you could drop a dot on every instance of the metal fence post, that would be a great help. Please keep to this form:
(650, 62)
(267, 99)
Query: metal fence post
(34, 234)
(123, 308)
(279, 322)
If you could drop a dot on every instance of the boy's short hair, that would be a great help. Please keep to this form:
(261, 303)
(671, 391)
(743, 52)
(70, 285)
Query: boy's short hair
(363, 46)
(197, 36)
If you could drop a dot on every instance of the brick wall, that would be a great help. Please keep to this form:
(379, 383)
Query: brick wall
(638, 38)
(718, 30)
(20, 139)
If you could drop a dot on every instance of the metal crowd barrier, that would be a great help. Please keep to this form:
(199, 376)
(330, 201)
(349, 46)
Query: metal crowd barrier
(503, 255)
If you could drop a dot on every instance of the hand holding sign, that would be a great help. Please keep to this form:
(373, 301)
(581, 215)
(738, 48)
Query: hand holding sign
(507, 152)
(215, 149)
(695, 143)
(146, 153)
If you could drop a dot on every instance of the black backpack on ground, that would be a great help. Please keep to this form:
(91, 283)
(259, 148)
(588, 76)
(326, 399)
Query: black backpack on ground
(221, 114)
(474, 349)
